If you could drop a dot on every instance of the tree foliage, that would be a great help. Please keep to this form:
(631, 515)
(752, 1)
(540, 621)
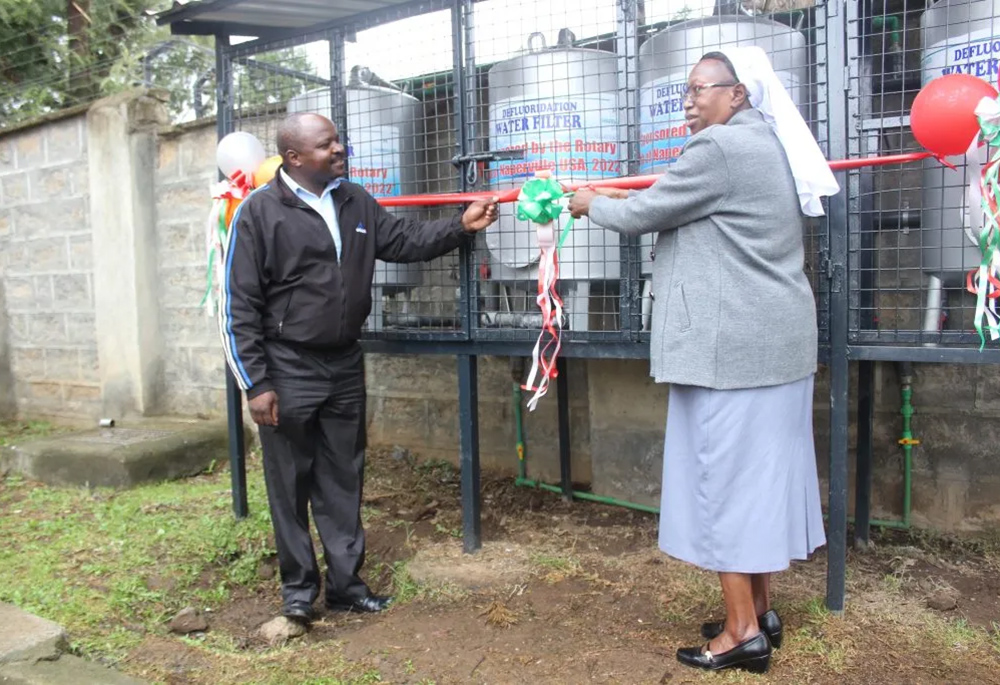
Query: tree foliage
(56, 54)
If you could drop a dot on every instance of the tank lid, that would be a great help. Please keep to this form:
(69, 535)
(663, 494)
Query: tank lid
(363, 76)
(565, 40)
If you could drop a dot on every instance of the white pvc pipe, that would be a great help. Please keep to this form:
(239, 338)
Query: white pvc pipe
(932, 313)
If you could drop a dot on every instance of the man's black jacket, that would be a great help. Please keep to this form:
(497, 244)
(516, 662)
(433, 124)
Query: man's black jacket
(282, 280)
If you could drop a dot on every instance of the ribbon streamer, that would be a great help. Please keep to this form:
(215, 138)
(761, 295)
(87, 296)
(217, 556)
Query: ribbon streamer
(541, 202)
(983, 281)
(226, 197)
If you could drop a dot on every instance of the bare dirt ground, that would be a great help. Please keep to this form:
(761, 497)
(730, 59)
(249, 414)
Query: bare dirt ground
(578, 593)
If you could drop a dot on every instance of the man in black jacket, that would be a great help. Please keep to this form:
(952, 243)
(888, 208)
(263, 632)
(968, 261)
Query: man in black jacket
(297, 289)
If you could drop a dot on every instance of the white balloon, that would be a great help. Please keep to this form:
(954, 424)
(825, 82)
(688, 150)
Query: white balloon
(239, 151)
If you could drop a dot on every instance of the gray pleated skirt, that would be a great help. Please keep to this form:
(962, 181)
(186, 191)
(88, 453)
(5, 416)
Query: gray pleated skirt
(740, 490)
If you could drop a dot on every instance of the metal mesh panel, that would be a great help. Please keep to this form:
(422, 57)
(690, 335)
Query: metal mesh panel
(401, 126)
(909, 244)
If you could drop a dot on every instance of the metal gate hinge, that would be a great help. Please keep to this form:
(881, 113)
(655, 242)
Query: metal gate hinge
(835, 274)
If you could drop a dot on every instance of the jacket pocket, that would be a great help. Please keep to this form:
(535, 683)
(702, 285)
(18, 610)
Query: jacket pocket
(284, 314)
(679, 304)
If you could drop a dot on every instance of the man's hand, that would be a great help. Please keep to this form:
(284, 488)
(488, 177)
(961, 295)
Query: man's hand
(264, 409)
(579, 204)
(613, 193)
(479, 215)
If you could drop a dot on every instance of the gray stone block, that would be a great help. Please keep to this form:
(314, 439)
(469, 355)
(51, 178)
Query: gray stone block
(73, 291)
(47, 329)
(24, 637)
(81, 330)
(51, 183)
(15, 189)
(28, 363)
(64, 141)
(45, 219)
(66, 670)
(46, 254)
(197, 151)
(42, 285)
(20, 293)
(186, 199)
(19, 328)
(8, 158)
(177, 242)
(30, 150)
(81, 252)
(140, 451)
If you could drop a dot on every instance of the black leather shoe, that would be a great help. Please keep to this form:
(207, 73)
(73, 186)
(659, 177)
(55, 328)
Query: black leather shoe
(753, 655)
(769, 622)
(369, 604)
(298, 611)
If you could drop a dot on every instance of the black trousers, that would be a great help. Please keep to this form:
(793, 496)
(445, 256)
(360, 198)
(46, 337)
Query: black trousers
(315, 456)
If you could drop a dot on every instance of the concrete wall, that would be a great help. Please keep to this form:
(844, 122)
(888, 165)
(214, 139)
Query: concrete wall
(192, 358)
(46, 270)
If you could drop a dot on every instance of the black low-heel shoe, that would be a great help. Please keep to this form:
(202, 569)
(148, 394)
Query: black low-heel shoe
(769, 622)
(753, 655)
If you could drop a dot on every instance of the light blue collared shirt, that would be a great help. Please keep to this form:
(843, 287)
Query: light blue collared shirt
(323, 205)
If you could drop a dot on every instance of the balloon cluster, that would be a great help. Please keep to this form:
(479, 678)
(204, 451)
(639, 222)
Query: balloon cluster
(242, 160)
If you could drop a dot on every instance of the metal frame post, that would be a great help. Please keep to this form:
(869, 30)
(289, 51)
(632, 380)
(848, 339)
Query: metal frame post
(468, 364)
(234, 396)
(468, 429)
(836, 64)
(627, 49)
(865, 450)
(565, 449)
(338, 97)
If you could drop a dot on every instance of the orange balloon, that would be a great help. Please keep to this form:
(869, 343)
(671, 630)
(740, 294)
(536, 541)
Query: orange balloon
(266, 171)
(943, 116)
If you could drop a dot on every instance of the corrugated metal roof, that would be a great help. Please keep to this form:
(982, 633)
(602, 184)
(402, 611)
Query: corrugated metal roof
(263, 17)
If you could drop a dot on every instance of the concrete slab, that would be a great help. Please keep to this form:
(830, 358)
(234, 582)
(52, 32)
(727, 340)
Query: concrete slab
(66, 670)
(27, 638)
(133, 452)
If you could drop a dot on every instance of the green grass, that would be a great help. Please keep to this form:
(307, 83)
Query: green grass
(554, 563)
(95, 560)
(113, 567)
(11, 431)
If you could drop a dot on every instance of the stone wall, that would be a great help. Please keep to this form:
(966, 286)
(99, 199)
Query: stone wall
(46, 269)
(193, 363)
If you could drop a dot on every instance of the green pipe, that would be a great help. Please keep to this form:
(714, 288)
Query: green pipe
(898, 525)
(522, 469)
(589, 496)
(907, 441)
(891, 23)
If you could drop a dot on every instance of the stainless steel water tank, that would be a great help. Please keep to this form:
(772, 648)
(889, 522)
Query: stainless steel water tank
(666, 59)
(384, 130)
(560, 105)
(960, 36)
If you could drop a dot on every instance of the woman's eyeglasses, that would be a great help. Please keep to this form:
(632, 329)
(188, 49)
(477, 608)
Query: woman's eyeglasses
(696, 89)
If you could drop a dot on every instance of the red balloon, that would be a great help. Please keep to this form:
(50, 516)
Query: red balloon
(943, 116)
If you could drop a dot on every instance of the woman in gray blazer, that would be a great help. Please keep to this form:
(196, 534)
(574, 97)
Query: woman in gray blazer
(734, 333)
